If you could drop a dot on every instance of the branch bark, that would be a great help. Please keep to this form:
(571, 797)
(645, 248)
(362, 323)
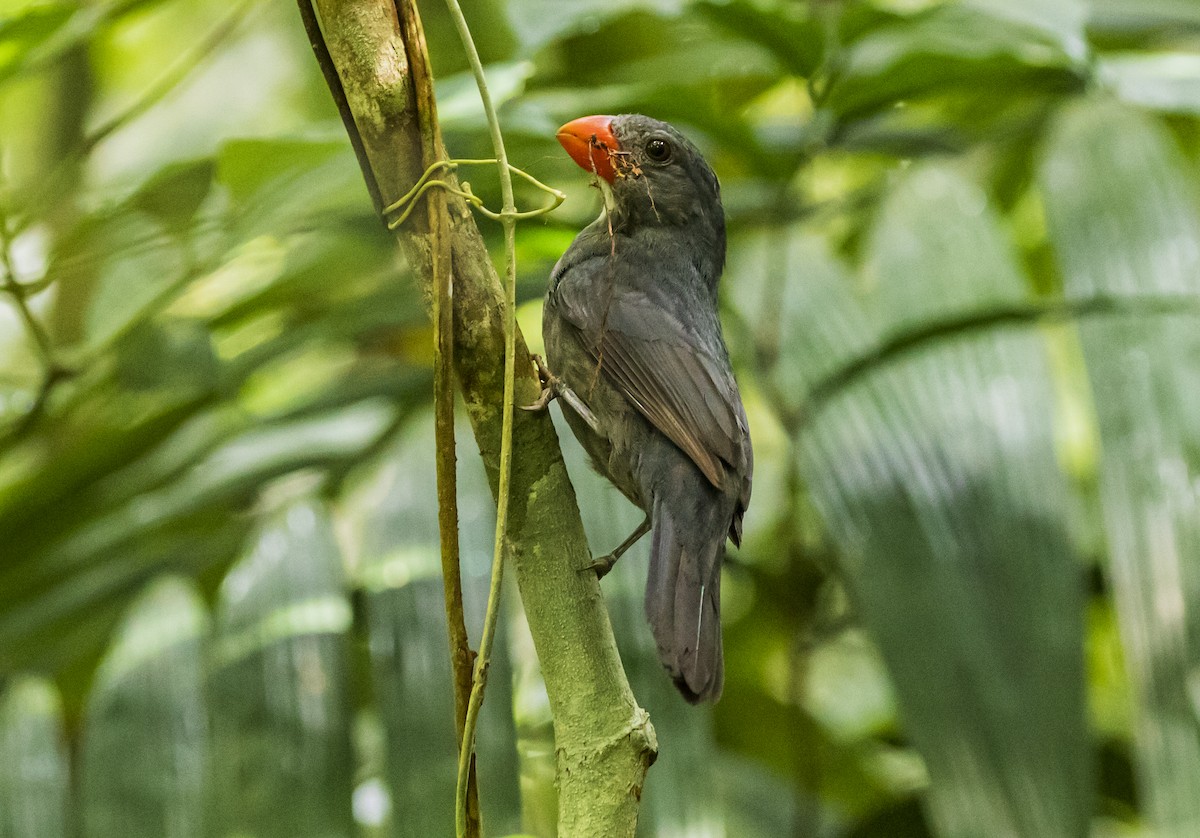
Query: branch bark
(604, 741)
(462, 659)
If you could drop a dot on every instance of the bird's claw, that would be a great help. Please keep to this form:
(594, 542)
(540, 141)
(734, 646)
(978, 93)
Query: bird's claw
(602, 565)
(553, 388)
(550, 385)
(541, 402)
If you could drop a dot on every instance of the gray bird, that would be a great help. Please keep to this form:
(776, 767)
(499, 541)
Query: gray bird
(633, 338)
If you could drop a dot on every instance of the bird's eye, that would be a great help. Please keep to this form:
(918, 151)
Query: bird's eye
(658, 150)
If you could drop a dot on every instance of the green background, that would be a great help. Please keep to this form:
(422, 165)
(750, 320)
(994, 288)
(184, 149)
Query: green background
(963, 301)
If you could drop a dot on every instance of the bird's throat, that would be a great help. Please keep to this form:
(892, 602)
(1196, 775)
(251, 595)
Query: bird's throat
(610, 201)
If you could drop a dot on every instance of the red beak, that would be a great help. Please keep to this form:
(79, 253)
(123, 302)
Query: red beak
(589, 140)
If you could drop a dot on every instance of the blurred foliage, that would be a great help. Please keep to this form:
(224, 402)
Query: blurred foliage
(962, 299)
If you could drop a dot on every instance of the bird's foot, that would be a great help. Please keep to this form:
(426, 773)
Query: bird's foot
(553, 388)
(550, 385)
(602, 565)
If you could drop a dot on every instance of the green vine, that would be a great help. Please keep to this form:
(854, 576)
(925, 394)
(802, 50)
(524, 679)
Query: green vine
(408, 201)
(508, 218)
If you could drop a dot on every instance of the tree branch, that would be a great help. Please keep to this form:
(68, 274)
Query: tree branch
(461, 657)
(504, 480)
(604, 740)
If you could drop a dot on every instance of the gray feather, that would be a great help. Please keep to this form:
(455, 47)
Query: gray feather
(631, 326)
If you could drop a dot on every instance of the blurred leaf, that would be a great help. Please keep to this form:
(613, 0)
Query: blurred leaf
(757, 804)
(35, 33)
(24, 32)
(144, 757)
(35, 779)
(174, 193)
(248, 167)
(282, 758)
(788, 30)
(123, 262)
(898, 271)
(1125, 227)
(1063, 19)
(1162, 81)
(534, 727)
(537, 22)
(177, 355)
(458, 102)
(1140, 16)
(936, 474)
(950, 46)
(691, 71)
(286, 184)
(399, 571)
(848, 689)
(782, 274)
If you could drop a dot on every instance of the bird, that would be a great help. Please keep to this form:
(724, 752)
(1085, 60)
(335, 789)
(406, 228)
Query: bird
(633, 338)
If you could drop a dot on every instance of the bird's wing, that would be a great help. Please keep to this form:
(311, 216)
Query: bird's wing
(684, 389)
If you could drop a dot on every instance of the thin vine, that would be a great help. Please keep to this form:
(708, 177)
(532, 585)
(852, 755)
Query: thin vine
(407, 203)
(20, 292)
(446, 461)
(508, 219)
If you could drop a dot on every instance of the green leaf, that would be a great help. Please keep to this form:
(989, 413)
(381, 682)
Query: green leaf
(145, 749)
(950, 47)
(1064, 20)
(248, 167)
(537, 22)
(22, 33)
(690, 70)
(280, 184)
(935, 470)
(906, 292)
(35, 779)
(782, 275)
(121, 264)
(1125, 229)
(281, 713)
(1161, 81)
(1139, 17)
(788, 30)
(174, 193)
(176, 355)
(458, 103)
(400, 575)
(40, 33)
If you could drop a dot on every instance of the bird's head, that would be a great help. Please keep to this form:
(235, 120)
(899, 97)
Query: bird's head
(654, 175)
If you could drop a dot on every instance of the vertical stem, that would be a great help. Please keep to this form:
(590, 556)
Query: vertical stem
(508, 220)
(13, 287)
(443, 396)
(603, 741)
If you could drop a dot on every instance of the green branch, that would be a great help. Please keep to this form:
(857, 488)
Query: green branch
(508, 219)
(446, 466)
(603, 741)
(19, 293)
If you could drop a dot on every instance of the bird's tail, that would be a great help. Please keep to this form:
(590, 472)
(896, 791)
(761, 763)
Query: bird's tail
(683, 605)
